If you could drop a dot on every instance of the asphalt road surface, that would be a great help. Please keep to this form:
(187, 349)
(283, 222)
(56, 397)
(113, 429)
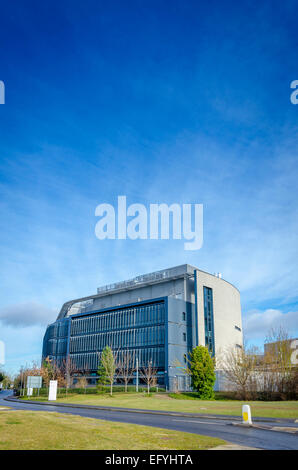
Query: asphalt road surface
(257, 438)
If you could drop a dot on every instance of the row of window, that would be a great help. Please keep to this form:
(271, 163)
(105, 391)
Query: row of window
(208, 317)
(89, 361)
(55, 346)
(58, 329)
(116, 320)
(119, 339)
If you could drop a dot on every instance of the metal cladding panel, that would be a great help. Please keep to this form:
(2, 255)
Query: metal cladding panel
(139, 328)
(56, 340)
(180, 336)
(226, 311)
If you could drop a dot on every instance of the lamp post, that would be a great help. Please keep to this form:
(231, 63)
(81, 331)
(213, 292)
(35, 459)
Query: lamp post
(137, 374)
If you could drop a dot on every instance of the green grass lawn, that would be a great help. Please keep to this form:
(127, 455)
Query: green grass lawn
(38, 430)
(273, 409)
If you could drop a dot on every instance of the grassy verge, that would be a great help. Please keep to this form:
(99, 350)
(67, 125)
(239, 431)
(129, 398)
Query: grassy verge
(274, 409)
(37, 430)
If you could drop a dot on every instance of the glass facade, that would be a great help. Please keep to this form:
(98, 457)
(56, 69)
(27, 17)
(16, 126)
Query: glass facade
(139, 329)
(209, 321)
(55, 340)
(154, 318)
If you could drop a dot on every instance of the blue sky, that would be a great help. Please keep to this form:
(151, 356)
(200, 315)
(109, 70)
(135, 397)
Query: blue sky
(185, 102)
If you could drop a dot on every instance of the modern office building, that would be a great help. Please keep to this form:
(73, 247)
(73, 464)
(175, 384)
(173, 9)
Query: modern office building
(158, 317)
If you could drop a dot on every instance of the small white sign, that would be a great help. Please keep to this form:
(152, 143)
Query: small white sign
(34, 381)
(53, 390)
(2, 353)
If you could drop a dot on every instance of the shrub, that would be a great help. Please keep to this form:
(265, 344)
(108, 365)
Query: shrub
(201, 369)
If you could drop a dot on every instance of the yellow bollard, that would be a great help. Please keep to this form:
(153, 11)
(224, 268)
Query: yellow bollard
(246, 415)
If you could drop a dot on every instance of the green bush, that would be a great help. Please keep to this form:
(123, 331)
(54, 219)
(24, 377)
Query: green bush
(99, 389)
(203, 377)
(130, 389)
(61, 392)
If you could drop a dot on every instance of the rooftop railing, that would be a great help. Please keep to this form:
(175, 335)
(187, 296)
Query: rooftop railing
(156, 276)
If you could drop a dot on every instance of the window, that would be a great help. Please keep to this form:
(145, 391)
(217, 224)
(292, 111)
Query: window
(184, 336)
(183, 316)
(208, 317)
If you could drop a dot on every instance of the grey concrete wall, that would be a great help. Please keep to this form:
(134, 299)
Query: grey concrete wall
(226, 311)
(164, 289)
(177, 347)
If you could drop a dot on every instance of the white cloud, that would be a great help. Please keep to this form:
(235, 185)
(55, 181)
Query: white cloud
(26, 314)
(256, 324)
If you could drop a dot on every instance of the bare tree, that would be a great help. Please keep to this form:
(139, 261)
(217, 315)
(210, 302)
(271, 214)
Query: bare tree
(62, 371)
(148, 374)
(68, 369)
(272, 374)
(7, 380)
(20, 380)
(279, 372)
(125, 366)
(81, 374)
(239, 367)
(82, 383)
(47, 371)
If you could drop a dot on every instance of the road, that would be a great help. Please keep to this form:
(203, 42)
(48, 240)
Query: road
(257, 438)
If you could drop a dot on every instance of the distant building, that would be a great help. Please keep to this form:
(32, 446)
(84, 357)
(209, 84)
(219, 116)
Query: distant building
(280, 348)
(159, 317)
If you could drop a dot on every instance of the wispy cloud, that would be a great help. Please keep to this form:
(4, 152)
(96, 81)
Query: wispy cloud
(257, 324)
(202, 116)
(26, 314)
